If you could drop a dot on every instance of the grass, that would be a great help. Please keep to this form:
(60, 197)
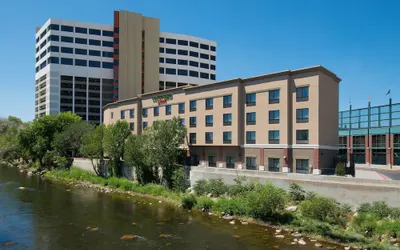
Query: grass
(122, 184)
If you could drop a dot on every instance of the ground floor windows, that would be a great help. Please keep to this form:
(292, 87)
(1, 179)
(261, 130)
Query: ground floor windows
(212, 161)
(251, 163)
(302, 166)
(194, 160)
(230, 162)
(273, 164)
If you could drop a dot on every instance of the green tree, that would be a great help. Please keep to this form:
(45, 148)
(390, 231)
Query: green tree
(135, 155)
(92, 148)
(10, 149)
(165, 137)
(37, 138)
(113, 142)
(67, 142)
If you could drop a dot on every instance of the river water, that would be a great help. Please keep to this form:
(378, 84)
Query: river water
(52, 216)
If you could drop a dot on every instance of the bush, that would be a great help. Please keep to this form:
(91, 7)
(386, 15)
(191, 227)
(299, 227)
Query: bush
(189, 201)
(180, 181)
(296, 193)
(340, 169)
(62, 162)
(321, 208)
(390, 228)
(240, 188)
(234, 206)
(365, 223)
(204, 203)
(380, 208)
(310, 195)
(265, 201)
(216, 187)
(200, 187)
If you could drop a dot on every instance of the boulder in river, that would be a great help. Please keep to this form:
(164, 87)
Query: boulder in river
(302, 242)
(227, 217)
(319, 245)
(232, 222)
(279, 236)
(128, 237)
(21, 188)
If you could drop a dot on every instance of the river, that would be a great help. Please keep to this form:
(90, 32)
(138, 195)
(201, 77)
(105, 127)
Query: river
(52, 216)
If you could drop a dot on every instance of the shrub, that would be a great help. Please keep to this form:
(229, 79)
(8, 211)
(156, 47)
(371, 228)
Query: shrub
(265, 201)
(365, 223)
(239, 188)
(180, 181)
(62, 162)
(380, 208)
(320, 208)
(200, 187)
(340, 169)
(216, 187)
(233, 206)
(390, 228)
(310, 195)
(205, 203)
(189, 201)
(296, 193)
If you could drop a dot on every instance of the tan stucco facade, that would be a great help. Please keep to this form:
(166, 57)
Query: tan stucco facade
(138, 54)
(312, 89)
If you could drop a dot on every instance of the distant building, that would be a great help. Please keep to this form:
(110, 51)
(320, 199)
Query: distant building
(281, 122)
(81, 67)
(371, 135)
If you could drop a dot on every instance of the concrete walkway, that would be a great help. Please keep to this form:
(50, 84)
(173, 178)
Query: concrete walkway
(370, 174)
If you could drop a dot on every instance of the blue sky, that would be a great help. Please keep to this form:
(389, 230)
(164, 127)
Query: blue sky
(358, 40)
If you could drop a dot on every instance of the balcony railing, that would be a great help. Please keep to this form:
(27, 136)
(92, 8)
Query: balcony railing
(249, 141)
(227, 123)
(227, 105)
(272, 101)
(227, 141)
(301, 141)
(273, 121)
(273, 141)
(209, 141)
(302, 120)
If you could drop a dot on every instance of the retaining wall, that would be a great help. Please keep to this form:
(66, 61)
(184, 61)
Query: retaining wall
(343, 189)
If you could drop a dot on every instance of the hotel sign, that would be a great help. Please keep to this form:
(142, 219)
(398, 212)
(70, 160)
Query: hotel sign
(162, 99)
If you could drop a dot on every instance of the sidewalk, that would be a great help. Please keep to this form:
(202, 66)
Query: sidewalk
(370, 174)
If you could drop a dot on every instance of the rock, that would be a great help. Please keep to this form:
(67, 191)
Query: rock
(279, 236)
(295, 239)
(211, 213)
(29, 173)
(294, 243)
(330, 248)
(278, 230)
(159, 201)
(150, 204)
(319, 245)
(223, 213)
(21, 171)
(313, 240)
(236, 236)
(232, 222)
(227, 217)
(209, 195)
(291, 209)
(302, 242)
(347, 248)
(392, 240)
(21, 188)
(297, 235)
(244, 223)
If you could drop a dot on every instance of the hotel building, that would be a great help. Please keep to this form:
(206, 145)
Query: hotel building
(81, 67)
(283, 122)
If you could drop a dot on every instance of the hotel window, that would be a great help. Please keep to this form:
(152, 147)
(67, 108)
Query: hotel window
(193, 105)
(168, 110)
(81, 51)
(302, 136)
(273, 164)
(227, 119)
(54, 27)
(251, 99)
(192, 121)
(209, 103)
(302, 166)
(274, 96)
(204, 75)
(251, 137)
(194, 64)
(80, 62)
(182, 122)
(94, 53)
(194, 44)
(181, 108)
(251, 118)
(227, 137)
(302, 94)
(204, 46)
(182, 62)
(108, 33)
(227, 101)
(212, 161)
(230, 162)
(273, 137)
(204, 66)
(161, 59)
(144, 112)
(170, 41)
(67, 28)
(213, 48)
(204, 56)
(145, 124)
(213, 58)
(183, 52)
(94, 32)
(122, 114)
(161, 70)
(161, 39)
(170, 51)
(170, 60)
(170, 71)
(194, 54)
(193, 73)
(161, 50)
(80, 40)
(273, 116)
(209, 137)
(251, 163)
(209, 120)
(192, 138)
(132, 126)
(183, 42)
(80, 30)
(302, 115)
(132, 113)
(156, 111)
